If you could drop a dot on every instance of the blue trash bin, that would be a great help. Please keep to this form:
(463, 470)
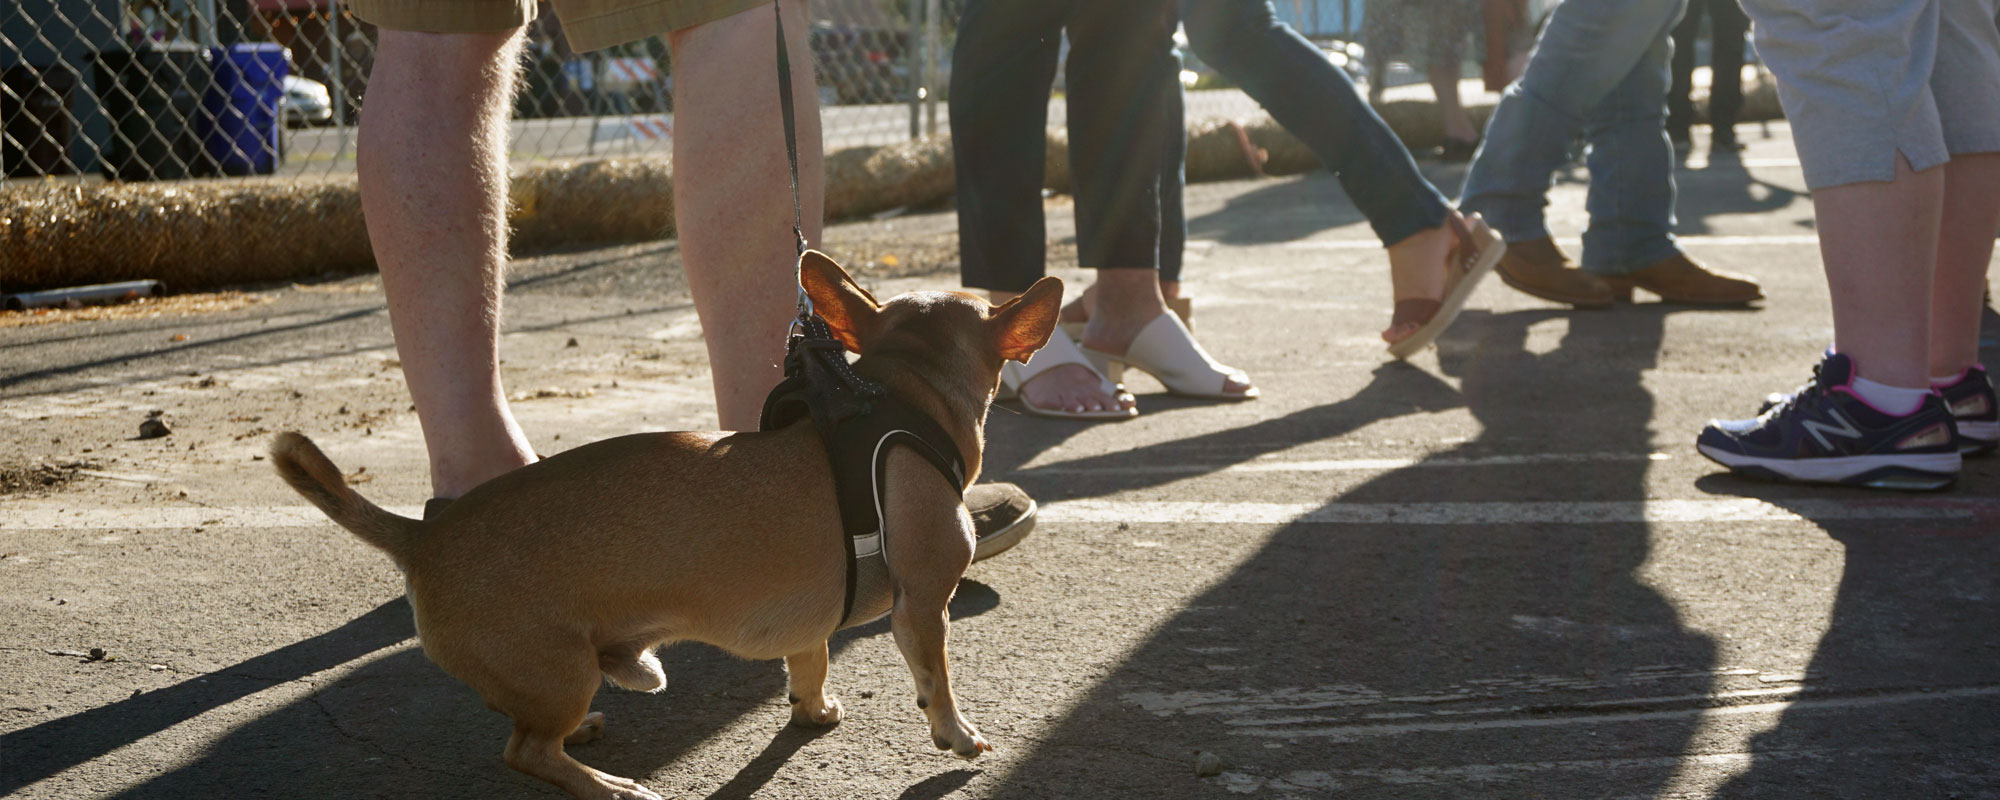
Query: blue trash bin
(243, 108)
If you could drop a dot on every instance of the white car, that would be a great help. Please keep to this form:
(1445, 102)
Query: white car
(306, 102)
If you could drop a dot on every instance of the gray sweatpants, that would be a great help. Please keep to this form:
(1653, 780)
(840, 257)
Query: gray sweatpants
(1862, 80)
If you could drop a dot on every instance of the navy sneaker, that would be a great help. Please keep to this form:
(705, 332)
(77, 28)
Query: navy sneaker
(1824, 433)
(1975, 409)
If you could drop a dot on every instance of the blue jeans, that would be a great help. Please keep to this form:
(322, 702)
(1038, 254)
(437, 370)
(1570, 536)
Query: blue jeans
(1600, 69)
(1317, 103)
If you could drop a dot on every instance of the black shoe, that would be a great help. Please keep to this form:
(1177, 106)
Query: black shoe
(1002, 515)
(435, 506)
(1824, 433)
(1723, 142)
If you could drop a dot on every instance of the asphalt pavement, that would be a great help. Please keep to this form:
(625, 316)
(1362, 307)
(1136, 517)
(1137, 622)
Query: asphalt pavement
(1498, 570)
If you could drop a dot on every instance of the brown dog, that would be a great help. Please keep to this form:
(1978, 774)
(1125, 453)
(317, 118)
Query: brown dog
(535, 584)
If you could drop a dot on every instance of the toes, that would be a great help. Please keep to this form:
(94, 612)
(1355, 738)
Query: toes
(817, 715)
(972, 748)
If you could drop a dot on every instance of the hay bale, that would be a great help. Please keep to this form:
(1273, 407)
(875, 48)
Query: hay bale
(864, 180)
(208, 233)
(609, 200)
(183, 234)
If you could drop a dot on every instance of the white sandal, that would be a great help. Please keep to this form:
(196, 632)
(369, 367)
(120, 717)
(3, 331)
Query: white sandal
(1061, 351)
(1166, 350)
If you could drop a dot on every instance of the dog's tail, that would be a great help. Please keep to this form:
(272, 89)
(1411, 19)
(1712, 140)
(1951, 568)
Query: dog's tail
(302, 465)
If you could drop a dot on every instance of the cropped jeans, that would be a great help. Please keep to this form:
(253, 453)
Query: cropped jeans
(1317, 103)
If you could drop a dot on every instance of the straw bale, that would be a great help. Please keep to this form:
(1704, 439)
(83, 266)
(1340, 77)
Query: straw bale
(207, 233)
(864, 180)
(609, 200)
(183, 234)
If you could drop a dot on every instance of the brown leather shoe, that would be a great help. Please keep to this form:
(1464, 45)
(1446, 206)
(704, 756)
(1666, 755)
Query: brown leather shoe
(1539, 268)
(1679, 279)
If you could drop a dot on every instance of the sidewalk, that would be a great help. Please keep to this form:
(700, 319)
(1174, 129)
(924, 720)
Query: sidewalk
(1500, 570)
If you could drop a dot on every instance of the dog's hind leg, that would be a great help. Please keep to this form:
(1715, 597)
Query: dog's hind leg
(805, 676)
(549, 700)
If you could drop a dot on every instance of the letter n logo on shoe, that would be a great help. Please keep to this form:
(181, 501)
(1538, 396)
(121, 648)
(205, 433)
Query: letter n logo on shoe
(1844, 430)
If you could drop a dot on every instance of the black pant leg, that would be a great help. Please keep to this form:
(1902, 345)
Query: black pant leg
(1725, 98)
(1120, 51)
(1680, 103)
(1002, 68)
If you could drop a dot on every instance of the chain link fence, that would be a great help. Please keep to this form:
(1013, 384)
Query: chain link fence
(173, 89)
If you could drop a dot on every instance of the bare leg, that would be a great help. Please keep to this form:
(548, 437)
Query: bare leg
(434, 190)
(1965, 249)
(805, 676)
(732, 195)
(1126, 301)
(1444, 83)
(1879, 242)
(1417, 268)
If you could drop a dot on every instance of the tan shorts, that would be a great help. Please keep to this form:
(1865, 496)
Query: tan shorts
(588, 24)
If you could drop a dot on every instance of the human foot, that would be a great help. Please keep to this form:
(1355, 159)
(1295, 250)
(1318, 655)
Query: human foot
(1125, 329)
(1430, 288)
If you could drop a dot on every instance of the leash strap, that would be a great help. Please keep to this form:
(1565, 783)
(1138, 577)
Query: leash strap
(791, 155)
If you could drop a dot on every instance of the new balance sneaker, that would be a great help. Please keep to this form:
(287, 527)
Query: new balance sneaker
(1973, 408)
(1824, 433)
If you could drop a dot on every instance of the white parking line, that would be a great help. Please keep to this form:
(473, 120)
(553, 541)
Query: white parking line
(53, 517)
(1736, 509)
(1698, 240)
(1344, 465)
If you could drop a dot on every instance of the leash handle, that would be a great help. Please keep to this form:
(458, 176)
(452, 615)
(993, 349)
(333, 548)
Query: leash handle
(792, 158)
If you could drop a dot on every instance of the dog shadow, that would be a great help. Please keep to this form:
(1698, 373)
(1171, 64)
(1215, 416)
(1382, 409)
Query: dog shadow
(399, 721)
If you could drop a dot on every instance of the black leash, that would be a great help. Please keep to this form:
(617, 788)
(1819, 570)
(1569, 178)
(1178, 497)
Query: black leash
(791, 156)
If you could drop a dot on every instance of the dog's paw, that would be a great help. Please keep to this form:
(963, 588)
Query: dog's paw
(965, 742)
(823, 714)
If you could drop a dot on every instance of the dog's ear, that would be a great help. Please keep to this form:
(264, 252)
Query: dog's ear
(847, 308)
(1022, 325)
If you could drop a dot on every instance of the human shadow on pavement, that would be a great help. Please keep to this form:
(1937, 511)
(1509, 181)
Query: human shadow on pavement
(1397, 389)
(1902, 695)
(1725, 187)
(399, 726)
(1507, 653)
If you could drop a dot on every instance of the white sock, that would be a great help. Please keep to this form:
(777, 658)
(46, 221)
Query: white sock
(1939, 383)
(1891, 400)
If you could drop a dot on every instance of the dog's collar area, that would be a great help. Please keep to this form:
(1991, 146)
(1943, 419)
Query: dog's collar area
(860, 423)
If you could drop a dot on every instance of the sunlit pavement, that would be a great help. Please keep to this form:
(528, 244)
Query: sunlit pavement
(1500, 570)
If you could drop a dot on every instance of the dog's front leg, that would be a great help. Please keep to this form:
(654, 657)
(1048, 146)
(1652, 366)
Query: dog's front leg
(920, 625)
(805, 675)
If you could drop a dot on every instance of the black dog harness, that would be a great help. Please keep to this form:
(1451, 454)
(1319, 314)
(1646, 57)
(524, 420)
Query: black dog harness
(859, 423)
(857, 420)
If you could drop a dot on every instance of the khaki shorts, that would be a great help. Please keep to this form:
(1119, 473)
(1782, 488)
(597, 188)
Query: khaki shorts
(588, 24)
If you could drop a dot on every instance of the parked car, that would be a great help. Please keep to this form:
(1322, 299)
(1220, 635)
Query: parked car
(306, 102)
